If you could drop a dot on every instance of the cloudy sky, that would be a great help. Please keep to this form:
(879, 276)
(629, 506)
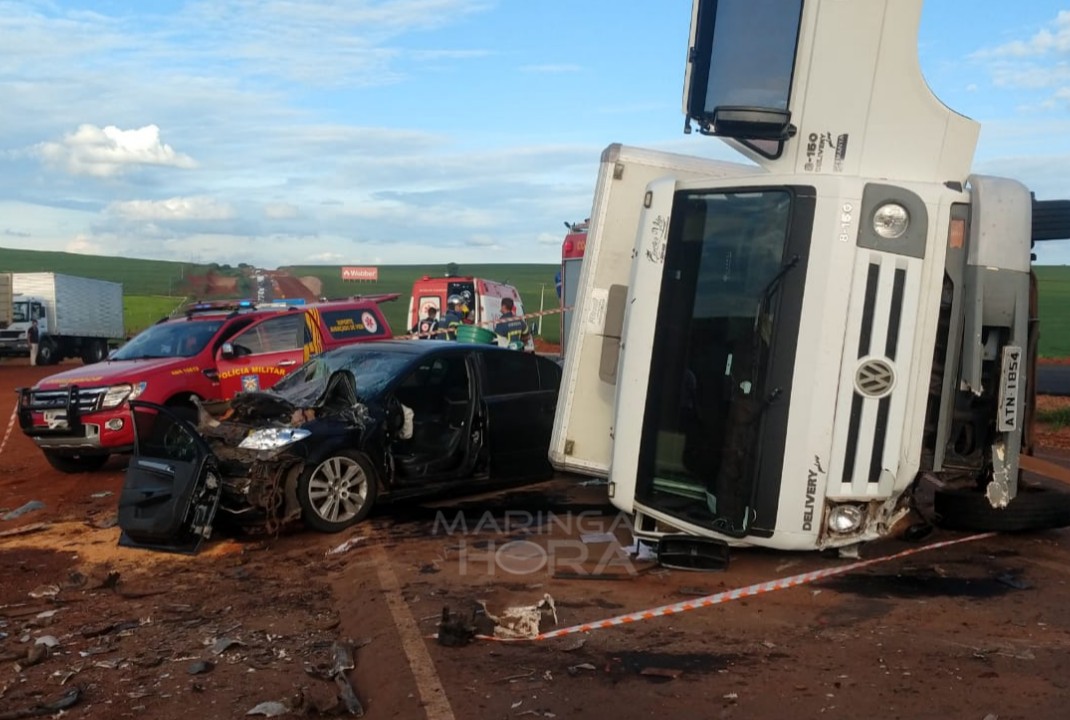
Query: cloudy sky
(400, 131)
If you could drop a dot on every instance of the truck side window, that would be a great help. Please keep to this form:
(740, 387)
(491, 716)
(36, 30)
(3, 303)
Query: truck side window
(509, 373)
(37, 311)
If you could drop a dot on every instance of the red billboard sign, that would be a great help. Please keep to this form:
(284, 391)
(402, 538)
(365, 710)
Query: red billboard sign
(360, 273)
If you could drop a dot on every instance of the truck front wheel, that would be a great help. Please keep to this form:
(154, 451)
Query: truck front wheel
(93, 351)
(47, 352)
(75, 463)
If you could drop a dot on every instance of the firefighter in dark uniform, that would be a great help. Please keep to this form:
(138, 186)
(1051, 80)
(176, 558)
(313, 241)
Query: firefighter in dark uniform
(427, 328)
(509, 326)
(453, 317)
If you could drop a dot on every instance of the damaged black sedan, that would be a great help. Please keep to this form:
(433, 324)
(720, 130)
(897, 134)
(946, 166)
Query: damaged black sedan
(352, 427)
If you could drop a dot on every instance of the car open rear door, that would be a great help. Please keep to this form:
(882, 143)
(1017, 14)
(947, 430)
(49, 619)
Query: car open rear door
(171, 491)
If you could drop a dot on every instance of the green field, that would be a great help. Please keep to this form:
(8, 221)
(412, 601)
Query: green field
(154, 286)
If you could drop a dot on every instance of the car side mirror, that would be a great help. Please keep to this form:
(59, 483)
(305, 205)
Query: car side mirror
(228, 352)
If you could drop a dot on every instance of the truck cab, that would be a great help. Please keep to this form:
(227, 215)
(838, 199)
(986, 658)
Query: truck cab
(208, 353)
(784, 349)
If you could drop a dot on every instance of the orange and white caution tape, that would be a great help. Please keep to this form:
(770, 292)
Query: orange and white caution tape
(737, 594)
(10, 427)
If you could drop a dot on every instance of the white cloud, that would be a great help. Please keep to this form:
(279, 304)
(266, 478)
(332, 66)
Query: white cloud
(108, 151)
(483, 241)
(1049, 40)
(281, 211)
(549, 239)
(84, 246)
(180, 208)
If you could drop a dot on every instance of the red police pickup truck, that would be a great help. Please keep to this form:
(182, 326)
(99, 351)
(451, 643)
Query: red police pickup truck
(215, 350)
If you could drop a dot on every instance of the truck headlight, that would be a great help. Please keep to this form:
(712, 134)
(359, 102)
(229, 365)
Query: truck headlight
(273, 438)
(891, 220)
(845, 519)
(117, 394)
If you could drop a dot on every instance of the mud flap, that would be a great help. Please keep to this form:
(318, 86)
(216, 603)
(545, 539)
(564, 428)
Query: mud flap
(171, 491)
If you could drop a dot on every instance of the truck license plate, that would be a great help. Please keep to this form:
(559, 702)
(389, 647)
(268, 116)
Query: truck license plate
(56, 419)
(1010, 383)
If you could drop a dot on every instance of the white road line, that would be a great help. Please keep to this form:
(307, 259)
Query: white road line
(428, 684)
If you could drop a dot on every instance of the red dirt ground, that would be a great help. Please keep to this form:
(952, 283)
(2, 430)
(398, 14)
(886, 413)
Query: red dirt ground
(969, 631)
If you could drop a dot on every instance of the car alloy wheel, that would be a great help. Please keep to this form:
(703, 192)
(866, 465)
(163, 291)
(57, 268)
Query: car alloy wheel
(338, 492)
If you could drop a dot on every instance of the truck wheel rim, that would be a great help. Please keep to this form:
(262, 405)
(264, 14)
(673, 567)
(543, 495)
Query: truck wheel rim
(338, 489)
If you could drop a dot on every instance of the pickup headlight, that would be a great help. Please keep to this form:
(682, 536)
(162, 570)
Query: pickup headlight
(273, 438)
(117, 394)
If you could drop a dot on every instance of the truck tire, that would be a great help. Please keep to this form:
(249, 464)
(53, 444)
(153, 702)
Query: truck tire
(75, 463)
(93, 351)
(47, 352)
(1034, 508)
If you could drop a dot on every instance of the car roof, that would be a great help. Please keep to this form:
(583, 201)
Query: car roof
(415, 348)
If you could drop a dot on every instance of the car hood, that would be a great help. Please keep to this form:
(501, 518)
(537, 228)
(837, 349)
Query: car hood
(110, 372)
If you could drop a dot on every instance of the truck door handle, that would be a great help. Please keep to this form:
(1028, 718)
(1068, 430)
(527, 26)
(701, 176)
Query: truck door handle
(287, 363)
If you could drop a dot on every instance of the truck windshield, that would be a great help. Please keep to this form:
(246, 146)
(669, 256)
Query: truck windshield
(20, 312)
(170, 340)
(726, 272)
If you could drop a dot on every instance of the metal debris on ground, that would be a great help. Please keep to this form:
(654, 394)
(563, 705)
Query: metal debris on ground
(25, 529)
(271, 708)
(199, 667)
(102, 494)
(221, 645)
(343, 661)
(44, 591)
(344, 547)
(23, 509)
(67, 700)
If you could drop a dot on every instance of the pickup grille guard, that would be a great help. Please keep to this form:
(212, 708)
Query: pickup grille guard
(72, 400)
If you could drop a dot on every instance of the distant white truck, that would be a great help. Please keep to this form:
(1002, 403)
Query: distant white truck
(76, 316)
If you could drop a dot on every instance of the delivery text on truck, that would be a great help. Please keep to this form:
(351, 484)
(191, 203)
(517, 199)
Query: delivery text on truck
(776, 353)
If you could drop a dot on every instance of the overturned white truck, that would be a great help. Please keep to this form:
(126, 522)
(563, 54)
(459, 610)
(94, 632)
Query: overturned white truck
(775, 353)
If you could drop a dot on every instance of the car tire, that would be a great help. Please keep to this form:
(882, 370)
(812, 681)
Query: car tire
(1034, 508)
(75, 463)
(338, 492)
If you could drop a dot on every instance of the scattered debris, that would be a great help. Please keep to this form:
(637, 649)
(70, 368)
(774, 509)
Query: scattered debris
(67, 700)
(105, 523)
(25, 529)
(102, 494)
(110, 582)
(34, 655)
(1013, 581)
(344, 547)
(593, 483)
(660, 672)
(199, 667)
(49, 641)
(221, 645)
(575, 669)
(22, 510)
(574, 644)
(343, 661)
(92, 631)
(522, 622)
(44, 591)
(454, 630)
(271, 708)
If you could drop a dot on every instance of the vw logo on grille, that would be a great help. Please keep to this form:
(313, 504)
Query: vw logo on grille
(875, 378)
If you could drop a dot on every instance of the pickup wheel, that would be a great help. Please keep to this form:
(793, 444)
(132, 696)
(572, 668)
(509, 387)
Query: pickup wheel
(338, 492)
(1033, 508)
(75, 463)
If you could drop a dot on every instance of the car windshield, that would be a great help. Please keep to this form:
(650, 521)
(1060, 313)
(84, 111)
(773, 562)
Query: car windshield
(170, 340)
(372, 370)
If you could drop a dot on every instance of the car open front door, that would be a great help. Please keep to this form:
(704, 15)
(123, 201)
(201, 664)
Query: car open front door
(171, 491)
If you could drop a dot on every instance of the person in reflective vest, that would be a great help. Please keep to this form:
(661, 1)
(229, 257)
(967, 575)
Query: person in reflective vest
(512, 328)
(428, 327)
(452, 317)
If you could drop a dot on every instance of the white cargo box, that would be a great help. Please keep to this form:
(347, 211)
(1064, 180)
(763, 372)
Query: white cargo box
(76, 306)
